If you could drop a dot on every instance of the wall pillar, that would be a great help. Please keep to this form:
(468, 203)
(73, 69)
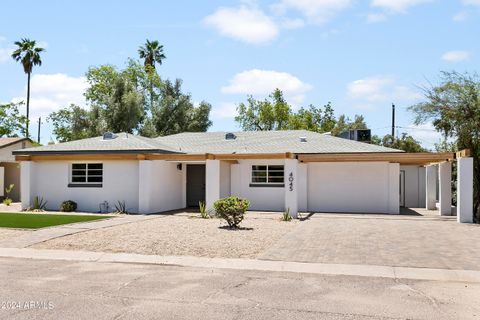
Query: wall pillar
(394, 188)
(212, 182)
(445, 188)
(26, 181)
(465, 190)
(145, 179)
(431, 187)
(291, 186)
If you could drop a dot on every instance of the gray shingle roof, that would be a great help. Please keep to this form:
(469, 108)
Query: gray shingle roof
(267, 142)
(215, 142)
(122, 143)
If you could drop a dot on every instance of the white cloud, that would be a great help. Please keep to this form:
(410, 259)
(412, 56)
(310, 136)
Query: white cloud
(247, 24)
(461, 16)
(371, 91)
(50, 92)
(5, 54)
(264, 82)
(456, 56)
(397, 6)
(376, 17)
(292, 23)
(316, 11)
(226, 110)
(425, 133)
(471, 2)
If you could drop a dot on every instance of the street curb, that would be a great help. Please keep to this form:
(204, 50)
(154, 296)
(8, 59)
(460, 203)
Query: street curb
(249, 264)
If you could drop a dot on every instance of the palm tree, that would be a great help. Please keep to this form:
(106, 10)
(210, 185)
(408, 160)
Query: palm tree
(151, 52)
(28, 55)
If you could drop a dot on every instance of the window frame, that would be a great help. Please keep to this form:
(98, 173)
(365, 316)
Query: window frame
(86, 183)
(267, 170)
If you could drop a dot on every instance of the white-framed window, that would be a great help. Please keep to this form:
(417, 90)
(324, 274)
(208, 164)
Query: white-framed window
(268, 175)
(86, 173)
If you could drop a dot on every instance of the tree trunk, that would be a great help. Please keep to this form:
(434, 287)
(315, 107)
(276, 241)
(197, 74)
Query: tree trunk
(28, 105)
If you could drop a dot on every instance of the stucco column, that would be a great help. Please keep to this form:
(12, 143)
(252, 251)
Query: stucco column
(430, 187)
(26, 171)
(465, 190)
(445, 188)
(394, 188)
(291, 186)
(145, 177)
(212, 182)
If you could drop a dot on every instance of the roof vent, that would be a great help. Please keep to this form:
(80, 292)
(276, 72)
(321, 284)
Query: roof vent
(303, 139)
(109, 136)
(230, 136)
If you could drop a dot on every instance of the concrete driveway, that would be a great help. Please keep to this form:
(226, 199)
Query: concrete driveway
(408, 241)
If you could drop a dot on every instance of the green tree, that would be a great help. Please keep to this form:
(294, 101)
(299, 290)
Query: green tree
(71, 123)
(151, 53)
(313, 119)
(177, 113)
(11, 122)
(124, 111)
(344, 123)
(28, 54)
(406, 143)
(453, 106)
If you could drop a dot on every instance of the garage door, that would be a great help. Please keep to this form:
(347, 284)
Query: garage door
(349, 187)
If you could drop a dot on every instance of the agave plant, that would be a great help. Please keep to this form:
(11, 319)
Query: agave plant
(121, 207)
(39, 204)
(203, 210)
(286, 215)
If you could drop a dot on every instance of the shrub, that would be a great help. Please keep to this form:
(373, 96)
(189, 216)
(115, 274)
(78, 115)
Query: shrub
(203, 210)
(232, 209)
(121, 207)
(286, 216)
(68, 206)
(38, 204)
(7, 201)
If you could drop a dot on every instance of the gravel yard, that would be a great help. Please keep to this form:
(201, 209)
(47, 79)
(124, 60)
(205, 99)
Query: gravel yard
(182, 234)
(10, 233)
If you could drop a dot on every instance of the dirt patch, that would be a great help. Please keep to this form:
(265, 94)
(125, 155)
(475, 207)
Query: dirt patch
(11, 233)
(182, 234)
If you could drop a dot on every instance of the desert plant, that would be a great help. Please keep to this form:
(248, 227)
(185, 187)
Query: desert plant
(203, 210)
(7, 201)
(121, 207)
(68, 206)
(232, 209)
(286, 215)
(38, 204)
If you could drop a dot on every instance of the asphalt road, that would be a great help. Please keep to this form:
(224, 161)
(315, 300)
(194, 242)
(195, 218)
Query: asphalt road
(47, 289)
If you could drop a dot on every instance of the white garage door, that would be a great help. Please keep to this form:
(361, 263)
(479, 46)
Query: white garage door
(349, 187)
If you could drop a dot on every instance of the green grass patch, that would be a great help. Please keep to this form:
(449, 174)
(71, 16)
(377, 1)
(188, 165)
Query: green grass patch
(39, 220)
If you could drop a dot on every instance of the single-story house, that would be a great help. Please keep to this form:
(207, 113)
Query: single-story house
(9, 168)
(294, 170)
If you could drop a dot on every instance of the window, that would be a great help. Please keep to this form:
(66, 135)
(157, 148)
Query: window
(86, 174)
(267, 175)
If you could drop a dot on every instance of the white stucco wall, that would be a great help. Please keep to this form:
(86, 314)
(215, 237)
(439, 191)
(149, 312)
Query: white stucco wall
(261, 198)
(49, 179)
(225, 179)
(6, 152)
(414, 186)
(167, 186)
(302, 185)
(352, 187)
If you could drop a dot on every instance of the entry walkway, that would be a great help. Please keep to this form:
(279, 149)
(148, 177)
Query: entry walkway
(392, 240)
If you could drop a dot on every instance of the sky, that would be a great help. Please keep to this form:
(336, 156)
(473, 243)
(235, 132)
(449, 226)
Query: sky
(361, 55)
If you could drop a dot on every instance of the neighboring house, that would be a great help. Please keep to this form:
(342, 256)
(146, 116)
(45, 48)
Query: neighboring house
(9, 168)
(275, 170)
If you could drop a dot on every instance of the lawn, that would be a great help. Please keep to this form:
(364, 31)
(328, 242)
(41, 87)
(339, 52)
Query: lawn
(34, 221)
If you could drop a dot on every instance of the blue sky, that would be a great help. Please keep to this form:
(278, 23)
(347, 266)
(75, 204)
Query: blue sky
(360, 55)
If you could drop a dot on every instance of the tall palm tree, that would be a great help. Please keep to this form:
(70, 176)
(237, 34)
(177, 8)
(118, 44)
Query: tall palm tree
(28, 55)
(151, 52)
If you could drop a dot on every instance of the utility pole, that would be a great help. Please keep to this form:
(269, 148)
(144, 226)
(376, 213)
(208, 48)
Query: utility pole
(39, 124)
(393, 121)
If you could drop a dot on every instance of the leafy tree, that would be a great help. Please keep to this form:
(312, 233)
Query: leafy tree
(344, 124)
(453, 106)
(274, 113)
(71, 123)
(406, 143)
(124, 111)
(151, 52)
(11, 122)
(28, 54)
(176, 112)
